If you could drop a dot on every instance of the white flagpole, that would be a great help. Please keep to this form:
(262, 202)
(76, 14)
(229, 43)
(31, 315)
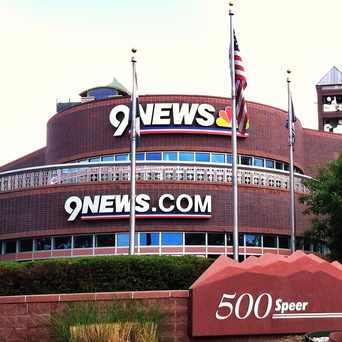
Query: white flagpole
(133, 149)
(234, 140)
(291, 143)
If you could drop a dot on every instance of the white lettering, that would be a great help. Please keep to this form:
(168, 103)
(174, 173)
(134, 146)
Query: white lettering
(73, 206)
(122, 203)
(283, 306)
(119, 124)
(106, 204)
(161, 114)
(92, 205)
(188, 203)
(142, 203)
(202, 206)
(182, 115)
(162, 205)
(206, 111)
(147, 114)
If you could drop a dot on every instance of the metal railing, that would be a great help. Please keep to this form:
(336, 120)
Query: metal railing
(77, 173)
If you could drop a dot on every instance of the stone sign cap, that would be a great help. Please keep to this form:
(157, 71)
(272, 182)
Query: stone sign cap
(271, 294)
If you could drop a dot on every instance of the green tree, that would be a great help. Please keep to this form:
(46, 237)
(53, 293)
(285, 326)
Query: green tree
(325, 202)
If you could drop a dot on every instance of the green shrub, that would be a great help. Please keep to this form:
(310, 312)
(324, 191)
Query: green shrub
(101, 274)
(92, 321)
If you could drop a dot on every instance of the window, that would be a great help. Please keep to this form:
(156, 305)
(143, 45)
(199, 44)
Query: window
(140, 156)
(62, 242)
(105, 240)
(229, 158)
(286, 167)
(245, 160)
(122, 239)
(216, 239)
(279, 165)
(95, 160)
(10, 246)
(284, 242)
(241, 240)
(121, 157)
(153, 156)
(43, 244)
(83, 241)
(202, 157)
(229, 239)
(269, 164)
(172, 239)
(299, 243)
(170, 156)
(186, 156)
(26, 245)
(107, 158)
(253, 240)
(195, 239)
(217, 158)
(270, 241)
(260, 162)
(149, 239)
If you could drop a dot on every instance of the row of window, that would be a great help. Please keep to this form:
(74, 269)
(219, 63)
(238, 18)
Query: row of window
(193, 157)
(149, 239)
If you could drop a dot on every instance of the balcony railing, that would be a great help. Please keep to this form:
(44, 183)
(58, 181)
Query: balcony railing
(77, 173)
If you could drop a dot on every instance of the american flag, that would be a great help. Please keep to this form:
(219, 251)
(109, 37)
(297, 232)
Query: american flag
(240, 86)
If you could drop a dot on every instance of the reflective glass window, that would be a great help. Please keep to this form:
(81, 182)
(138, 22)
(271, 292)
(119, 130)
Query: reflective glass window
(10, 246)
(172, 239)
(229, 158)
(279, 165)
(26, 245)
(216, 239)
(241, 240)
(245, 160)
(195, 239)
(170, 156)
(153, 156)
(284, 242)
(186, 156)
(269, 164)
(121, 157)
(260, 162)
(62, 242)
(140, 156)
(83, 241)
(149, 239)
(270, 241)
(217, 158)
(108, 158)
(122, 239)
(105, 240)
(229, 239)
(286, 167)
(253, 240)
(94, 160)
(202, 157)
(43, 244)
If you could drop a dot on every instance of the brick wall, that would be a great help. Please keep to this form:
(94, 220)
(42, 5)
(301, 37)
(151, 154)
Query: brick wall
(25, 318)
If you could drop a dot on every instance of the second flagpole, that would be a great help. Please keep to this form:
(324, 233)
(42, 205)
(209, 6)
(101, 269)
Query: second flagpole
(133, 150)
(234, 140)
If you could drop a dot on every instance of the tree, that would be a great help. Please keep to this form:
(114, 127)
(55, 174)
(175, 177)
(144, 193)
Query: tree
(325, 202)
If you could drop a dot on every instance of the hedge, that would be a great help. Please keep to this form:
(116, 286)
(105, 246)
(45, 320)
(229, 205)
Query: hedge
(101, 274)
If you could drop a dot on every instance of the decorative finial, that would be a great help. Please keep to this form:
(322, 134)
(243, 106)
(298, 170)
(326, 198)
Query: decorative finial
(288, 71)
(134, 50)
(231, 4)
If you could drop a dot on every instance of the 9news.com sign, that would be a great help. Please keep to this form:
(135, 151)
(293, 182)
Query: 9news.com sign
(268, 295)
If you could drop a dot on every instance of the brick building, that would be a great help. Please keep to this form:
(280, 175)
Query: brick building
(69, 198)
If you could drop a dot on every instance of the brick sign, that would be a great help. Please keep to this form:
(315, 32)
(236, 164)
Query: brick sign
(267, 295)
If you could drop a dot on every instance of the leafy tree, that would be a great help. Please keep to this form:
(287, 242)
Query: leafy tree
(325, 202)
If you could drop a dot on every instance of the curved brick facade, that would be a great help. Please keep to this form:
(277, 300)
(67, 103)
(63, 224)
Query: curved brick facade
(84, 131)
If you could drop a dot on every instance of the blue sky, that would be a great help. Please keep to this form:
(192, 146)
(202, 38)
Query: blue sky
(55, 49)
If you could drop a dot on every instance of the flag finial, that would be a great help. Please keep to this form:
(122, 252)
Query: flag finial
(231, 5)
(288, 71)
(134, 50)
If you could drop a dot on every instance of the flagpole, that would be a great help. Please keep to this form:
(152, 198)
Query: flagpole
(291, 143)
(234, 140)
(133, 150)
